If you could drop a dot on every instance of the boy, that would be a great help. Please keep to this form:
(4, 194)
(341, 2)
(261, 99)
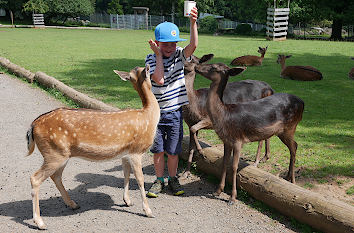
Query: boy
(168, 86)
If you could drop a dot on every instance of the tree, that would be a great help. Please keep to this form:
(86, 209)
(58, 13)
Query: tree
(36, 6)
(70, 8)
(14, 7)
(114, 7)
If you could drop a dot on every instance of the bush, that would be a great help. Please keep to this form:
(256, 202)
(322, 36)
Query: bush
(243, 29)
(208, 25)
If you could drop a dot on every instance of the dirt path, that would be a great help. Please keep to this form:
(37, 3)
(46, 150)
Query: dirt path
(98, 187)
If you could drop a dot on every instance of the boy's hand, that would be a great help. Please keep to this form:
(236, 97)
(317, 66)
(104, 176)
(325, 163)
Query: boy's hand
(154, 47)
(193, 15)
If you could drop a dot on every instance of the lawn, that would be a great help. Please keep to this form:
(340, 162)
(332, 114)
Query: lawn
(84, 60)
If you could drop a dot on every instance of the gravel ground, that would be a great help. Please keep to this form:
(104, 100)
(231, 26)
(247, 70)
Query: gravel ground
(98, 187)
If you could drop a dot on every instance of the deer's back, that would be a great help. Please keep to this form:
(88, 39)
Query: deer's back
(259, 119)
(302, 73)
(246, 90)
(247, 60)
(94, 135)
(351, 74)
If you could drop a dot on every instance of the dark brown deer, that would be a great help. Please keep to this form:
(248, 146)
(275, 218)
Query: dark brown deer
(351, 72)
(302, 73)
(237, 124)
(195, 113)
(250, 60)
(95, 135)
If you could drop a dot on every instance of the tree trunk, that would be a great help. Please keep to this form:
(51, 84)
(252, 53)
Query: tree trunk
(12, 18)
(323, 213)
(337, 29)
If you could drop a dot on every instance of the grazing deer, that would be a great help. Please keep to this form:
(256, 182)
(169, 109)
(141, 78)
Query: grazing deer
(302, 73)
(240, 123)
(95, 135)
(250, 60)
(195, 113)
(351, 72)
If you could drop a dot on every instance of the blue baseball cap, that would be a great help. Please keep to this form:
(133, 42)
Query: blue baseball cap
(167, 32)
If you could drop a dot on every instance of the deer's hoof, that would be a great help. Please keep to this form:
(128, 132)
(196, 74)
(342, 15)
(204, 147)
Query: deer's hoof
(74, 206)
(40, 224)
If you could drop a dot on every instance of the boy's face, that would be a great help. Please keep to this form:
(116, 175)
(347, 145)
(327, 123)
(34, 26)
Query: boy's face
(167, 48)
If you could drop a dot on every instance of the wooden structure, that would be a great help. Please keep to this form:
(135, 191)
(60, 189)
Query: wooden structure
(38, 20)
(277, 22)
(145, 12)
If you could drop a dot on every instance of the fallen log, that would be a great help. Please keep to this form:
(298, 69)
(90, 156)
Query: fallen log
(78, 97)
(322, 213)
(17, 70)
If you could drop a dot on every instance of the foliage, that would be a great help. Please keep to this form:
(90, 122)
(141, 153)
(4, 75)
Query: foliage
(114, 7)
(208, 25)
(70, 8)
(243, 29)
(36, 6)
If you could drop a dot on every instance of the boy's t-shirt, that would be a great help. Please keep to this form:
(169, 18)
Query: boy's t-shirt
(172, 94)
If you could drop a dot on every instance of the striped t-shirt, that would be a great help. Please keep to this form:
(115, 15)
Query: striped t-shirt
(172, 94)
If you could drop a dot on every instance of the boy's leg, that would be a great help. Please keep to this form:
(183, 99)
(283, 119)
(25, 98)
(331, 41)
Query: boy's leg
(173, 147)
(172, 164)
(159, 163)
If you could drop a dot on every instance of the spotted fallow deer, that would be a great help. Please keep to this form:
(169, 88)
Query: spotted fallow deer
(195, 113)
(95, 135)
(301, 73)
(351, 72)
(237, 124)
(250, 60)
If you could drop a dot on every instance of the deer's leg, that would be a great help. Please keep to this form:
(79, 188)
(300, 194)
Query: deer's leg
(192, 145)
(206, 123)
(126, 170)
(138, 172)
(258, 155)
(267, 150)
(226, 159)
(57, 179)
(236, 152)
(288, 139)
(46, 170)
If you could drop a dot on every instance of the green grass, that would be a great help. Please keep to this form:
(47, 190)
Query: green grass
(84, 60)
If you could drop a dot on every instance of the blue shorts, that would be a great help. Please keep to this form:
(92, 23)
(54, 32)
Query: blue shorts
(169, 133)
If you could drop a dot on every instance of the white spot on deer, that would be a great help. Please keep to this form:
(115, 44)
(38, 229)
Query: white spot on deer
(51, 136)
(66, 132)
(54, 135)
(59, 128)
(74, 135)
(50, 129)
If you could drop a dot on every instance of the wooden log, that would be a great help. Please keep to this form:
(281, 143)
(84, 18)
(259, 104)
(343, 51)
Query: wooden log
(322, 213)
(17, 70)
(78, 97)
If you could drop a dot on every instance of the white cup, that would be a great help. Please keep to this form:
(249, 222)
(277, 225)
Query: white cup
(188, 5)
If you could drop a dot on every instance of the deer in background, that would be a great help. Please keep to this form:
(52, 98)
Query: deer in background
(302, 73)
(240, 123)
(250, 60)
(351, 72)
(195, 113)
(95, 135)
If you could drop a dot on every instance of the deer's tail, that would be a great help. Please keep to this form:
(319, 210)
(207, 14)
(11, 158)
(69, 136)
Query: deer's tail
(30, 141)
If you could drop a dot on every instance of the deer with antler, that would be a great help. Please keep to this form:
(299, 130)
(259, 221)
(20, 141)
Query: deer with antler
(95, 135)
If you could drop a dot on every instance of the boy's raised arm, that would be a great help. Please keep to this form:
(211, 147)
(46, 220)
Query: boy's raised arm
(190, 48)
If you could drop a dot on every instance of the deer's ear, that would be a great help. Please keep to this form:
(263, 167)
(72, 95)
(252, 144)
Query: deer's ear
(147, 71)
(125, 76)
(206, 58)
(288, 56)
(236, 70)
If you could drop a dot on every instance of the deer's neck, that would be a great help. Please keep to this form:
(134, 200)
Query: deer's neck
(214, 102)
(189, 82)
(148, 100)
(282, 63)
